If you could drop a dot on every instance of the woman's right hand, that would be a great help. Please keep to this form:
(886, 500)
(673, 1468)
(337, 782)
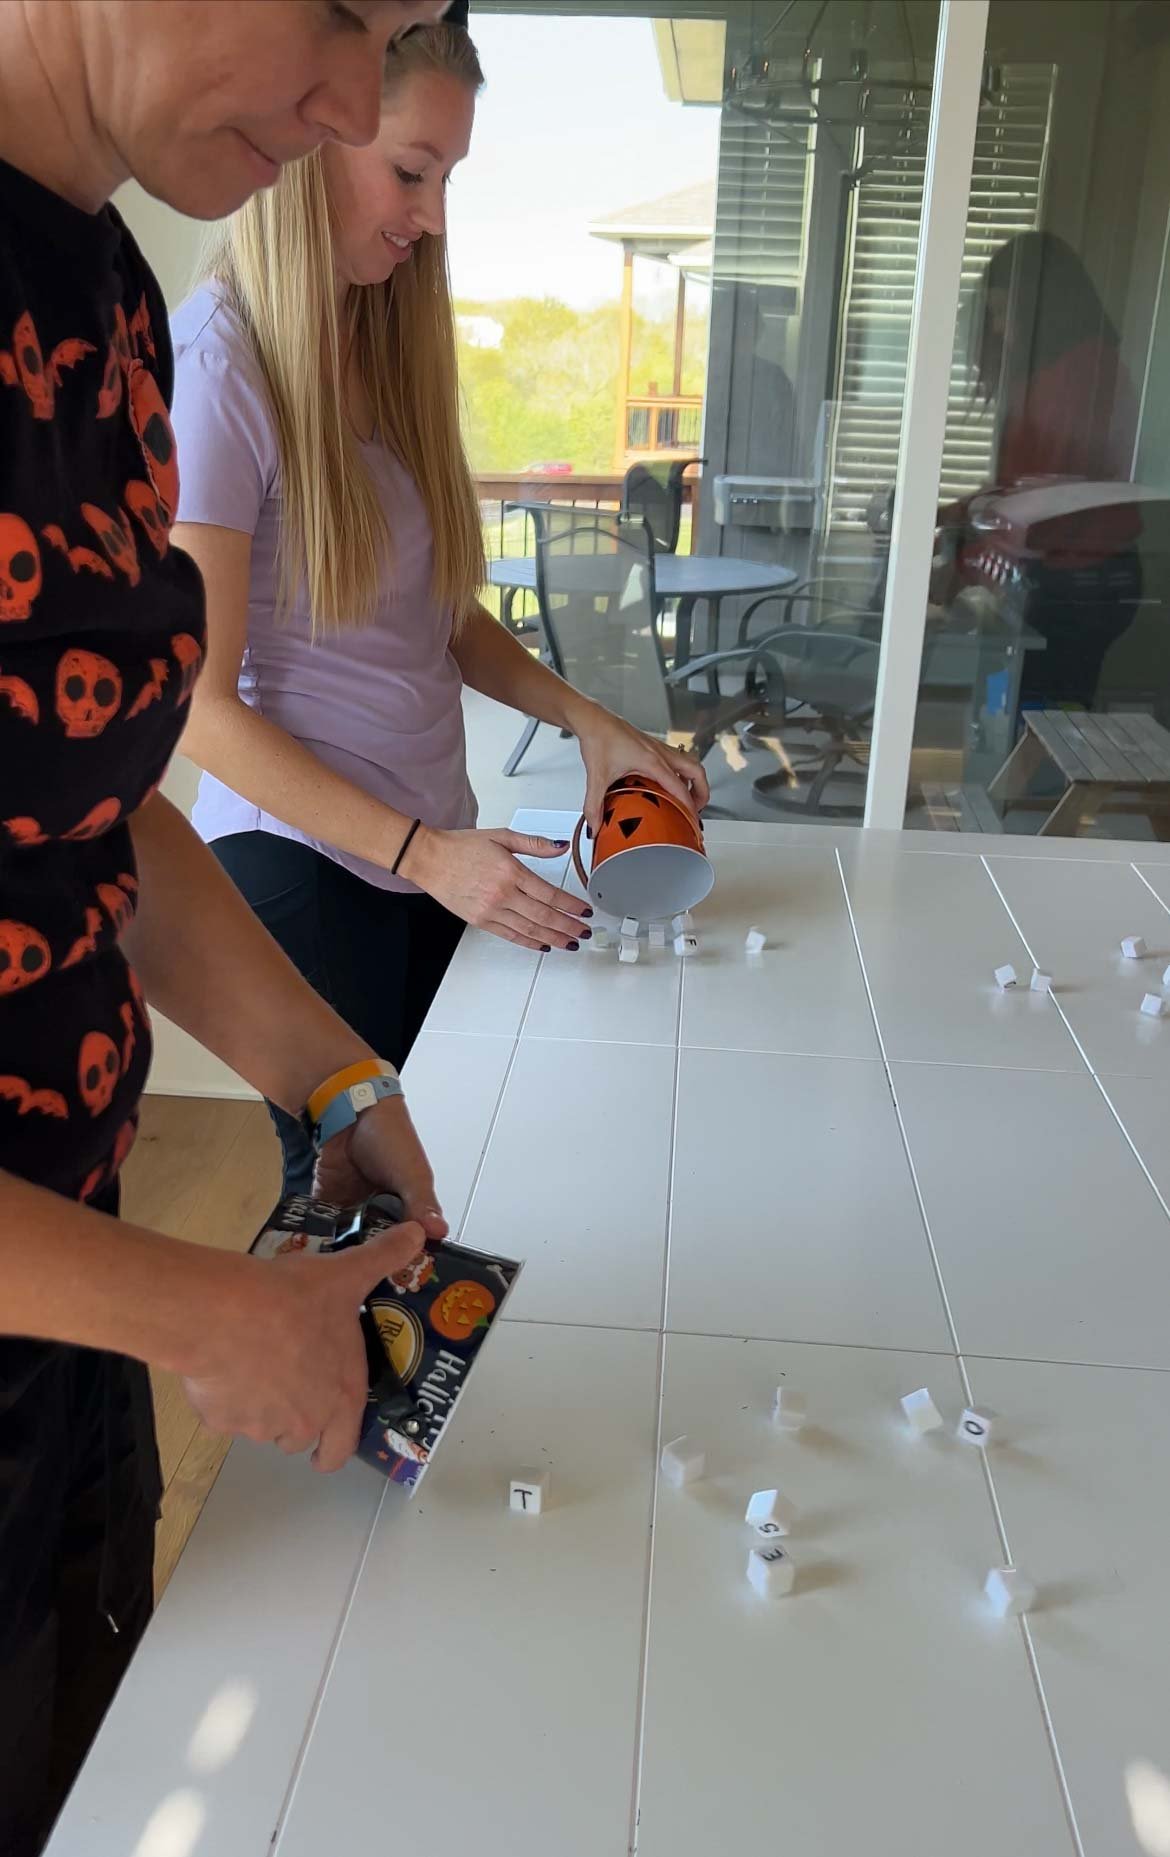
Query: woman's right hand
(478, 876)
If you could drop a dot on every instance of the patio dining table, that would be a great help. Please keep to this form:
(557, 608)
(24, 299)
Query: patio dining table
(685, 578)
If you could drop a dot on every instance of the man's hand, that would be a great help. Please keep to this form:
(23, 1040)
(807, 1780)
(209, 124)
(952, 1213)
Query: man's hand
(285, 1362)
(381, 1152)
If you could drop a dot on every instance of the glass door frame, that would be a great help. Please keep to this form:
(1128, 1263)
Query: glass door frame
(954, 112)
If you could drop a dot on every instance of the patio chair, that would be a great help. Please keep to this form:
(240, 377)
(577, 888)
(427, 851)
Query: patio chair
(829, 669)
(829, 684)
(595, 588)
(655, 491)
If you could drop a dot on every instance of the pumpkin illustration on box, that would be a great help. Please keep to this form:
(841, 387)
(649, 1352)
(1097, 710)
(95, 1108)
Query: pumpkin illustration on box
(424, 1327)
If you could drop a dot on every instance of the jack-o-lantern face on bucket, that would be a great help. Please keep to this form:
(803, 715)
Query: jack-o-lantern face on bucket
(24, 956)
(648, 856)
(20, 568)
(98, 1071)
(89, 693)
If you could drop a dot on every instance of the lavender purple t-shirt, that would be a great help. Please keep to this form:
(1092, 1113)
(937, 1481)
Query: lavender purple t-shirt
(378, 703)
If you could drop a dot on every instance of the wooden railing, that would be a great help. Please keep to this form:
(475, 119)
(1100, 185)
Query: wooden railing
(507, 532)
(663, 422)
(596, 487)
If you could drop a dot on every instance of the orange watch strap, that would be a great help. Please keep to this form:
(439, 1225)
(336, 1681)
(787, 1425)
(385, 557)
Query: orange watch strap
(327, 1092)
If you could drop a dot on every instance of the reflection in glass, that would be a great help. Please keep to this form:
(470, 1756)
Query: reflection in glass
(821, 174)
(1044, 696)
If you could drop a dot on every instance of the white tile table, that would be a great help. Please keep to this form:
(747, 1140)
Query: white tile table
(853, 1167)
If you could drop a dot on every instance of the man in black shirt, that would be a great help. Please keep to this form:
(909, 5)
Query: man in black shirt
(101, 639)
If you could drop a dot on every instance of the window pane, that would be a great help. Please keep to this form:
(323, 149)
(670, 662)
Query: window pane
(723, 277)
(1045, 682)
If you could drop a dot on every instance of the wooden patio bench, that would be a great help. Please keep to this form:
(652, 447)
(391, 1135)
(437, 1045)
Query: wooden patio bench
(1104, 758)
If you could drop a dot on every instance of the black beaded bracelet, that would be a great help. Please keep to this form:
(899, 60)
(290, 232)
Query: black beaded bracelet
(404, 848)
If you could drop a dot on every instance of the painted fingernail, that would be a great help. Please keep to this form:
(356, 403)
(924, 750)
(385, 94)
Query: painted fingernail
(562, 844)
(586, 911)
(573, 946)
(544, 948)
(586, 934)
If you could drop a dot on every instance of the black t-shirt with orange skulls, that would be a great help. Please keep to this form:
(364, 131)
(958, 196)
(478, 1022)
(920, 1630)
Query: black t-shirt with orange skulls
(101, 639)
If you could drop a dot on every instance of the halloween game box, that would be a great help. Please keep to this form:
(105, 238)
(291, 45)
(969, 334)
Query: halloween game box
(423, 1328)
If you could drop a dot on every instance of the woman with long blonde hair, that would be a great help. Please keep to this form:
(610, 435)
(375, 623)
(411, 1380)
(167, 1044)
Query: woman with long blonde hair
(328, 501)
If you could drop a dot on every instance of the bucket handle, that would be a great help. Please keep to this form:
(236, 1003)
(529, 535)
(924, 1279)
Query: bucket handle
(577, 864)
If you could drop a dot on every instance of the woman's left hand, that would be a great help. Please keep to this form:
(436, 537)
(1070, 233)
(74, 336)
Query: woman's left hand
(611, 748)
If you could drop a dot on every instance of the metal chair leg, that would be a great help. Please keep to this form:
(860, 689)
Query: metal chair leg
(527, 737)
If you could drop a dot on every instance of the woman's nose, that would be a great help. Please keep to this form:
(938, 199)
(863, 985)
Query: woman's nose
(430, 210)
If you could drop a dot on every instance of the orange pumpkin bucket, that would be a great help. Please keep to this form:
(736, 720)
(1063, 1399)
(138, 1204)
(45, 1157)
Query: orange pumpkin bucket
(648, 857)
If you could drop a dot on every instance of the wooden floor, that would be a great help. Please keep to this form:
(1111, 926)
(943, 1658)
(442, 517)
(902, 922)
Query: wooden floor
(210, 1172)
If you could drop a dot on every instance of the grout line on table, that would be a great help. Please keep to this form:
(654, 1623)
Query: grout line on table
(852, 1057)
(1050, 1732)
(648, 1590)
(286, 1803)
(1042, 1700)
(1130, 1142)
(499, 1103)
(1141, 875)
(1054, 996)
(1050, 1360)
(797, 1341)
(858, 1347)
(1089, 1066)
(938, 1275)
(988, 1471)
(606, 1328)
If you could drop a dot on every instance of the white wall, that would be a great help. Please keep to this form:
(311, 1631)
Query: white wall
(170, 245)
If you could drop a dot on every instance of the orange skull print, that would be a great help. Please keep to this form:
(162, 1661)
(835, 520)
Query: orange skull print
(24, 831)
(120, 902)
(29, 1101)
(77, 558)
(20, 568)
(189, 658)
(99, 1069)
(25, 366)
(110, 391)
(150, 513)
(140, 330)
(152, 423)
(117, 538)
(85, 944)
(129, 1034)
(24, 956)
(97, 820)
(89, 693)
(101, 1176)
(22, 697)
(151, 690)
(117, 903)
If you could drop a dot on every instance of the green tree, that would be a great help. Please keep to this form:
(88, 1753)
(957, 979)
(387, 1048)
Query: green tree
(549, 390)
